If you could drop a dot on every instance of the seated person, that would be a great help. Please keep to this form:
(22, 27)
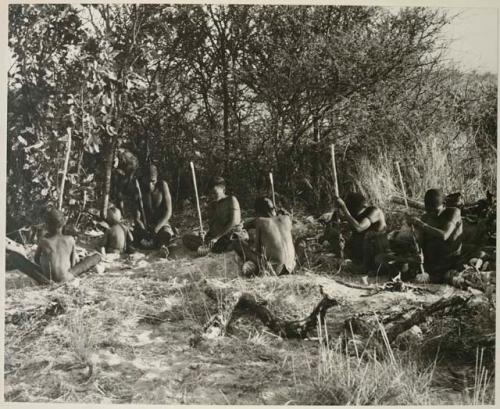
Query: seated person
(56, 252)
(157, 206)
(118, 237)
(440, 236)
(124, 191)
(368, 226)
(224, 221)
(273, 244)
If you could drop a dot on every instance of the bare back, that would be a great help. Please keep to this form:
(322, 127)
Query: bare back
(56, 256)
(116, 239)
(274, 241)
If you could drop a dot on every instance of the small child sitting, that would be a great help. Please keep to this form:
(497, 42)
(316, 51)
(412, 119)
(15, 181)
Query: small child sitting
(56, 252)
(118, 237)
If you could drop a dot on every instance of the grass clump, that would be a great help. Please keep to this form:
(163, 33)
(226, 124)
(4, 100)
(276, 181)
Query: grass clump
(343, 378)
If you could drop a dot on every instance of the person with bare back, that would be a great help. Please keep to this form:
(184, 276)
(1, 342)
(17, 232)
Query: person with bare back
(274, 250)
(56, 253)
(118, 237)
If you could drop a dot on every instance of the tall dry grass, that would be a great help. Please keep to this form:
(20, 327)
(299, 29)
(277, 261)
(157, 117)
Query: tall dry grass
(449, 162)
(344, 376)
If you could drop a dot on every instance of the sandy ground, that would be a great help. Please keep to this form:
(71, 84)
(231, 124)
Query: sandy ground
(134, 332)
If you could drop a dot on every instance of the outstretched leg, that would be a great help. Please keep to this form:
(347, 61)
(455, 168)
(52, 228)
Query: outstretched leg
(86, 264)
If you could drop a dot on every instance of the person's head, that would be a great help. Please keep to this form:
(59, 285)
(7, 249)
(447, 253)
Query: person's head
(264, 207)
(355, 202)
(217, 188)
(55, 221)
(128, 162)
(151, 177)
(433, 200)
(114, 216)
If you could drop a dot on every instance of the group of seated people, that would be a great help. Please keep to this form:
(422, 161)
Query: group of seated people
(435, 238)
(437, 232)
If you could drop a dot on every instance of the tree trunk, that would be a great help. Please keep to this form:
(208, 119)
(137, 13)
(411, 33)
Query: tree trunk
(316, 163)
(108, 169)
(225, 104)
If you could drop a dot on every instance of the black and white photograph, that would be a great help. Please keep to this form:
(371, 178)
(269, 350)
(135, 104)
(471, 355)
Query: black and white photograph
(250, 204)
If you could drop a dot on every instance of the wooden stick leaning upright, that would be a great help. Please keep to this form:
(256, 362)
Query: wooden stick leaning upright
(141, 203)
(65, 169)
(272, 188)
(414, 238)
(202, 250)
(336, 192)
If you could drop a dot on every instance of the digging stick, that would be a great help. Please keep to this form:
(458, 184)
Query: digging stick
(197, 200)
(272, 188)
(334, 167)
(336, 192)
(141, 203)
(414, 238)
(65, 169)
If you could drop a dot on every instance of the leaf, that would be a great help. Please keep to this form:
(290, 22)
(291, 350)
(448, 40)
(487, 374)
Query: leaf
(22, 140)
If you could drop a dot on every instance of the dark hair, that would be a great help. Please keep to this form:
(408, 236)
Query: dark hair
(355, 202)
(113, 214)
(263, 206)
(55, 219)
(433, 199)
(217, 181)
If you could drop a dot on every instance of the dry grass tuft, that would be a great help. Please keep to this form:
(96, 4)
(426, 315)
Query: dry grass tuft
(343, 378)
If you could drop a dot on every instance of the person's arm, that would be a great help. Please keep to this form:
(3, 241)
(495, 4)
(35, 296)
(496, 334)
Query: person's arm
(73, 252)
(363, 224)
(103, 243)
(138, 219)
(38, 252)
(167, 210)
(258, 239)
(130, 236)
(234, 216)
(443, 234)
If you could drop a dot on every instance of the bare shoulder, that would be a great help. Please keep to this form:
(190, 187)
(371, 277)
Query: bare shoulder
(454, 213)
(375, 212)
(234, 201)
(164, 184)
(284, 219)
(263, 221)
(70, 240)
